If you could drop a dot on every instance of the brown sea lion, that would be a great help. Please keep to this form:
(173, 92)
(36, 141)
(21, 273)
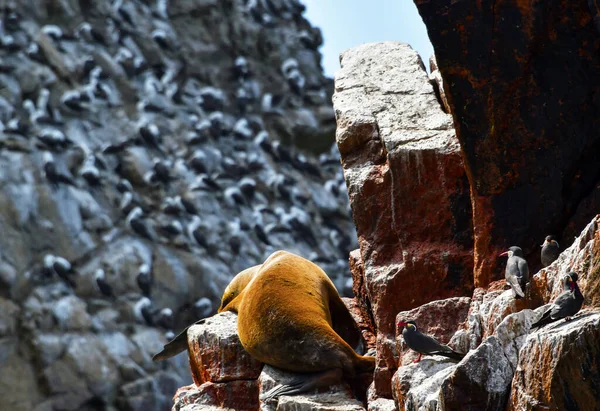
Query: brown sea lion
(291, 316)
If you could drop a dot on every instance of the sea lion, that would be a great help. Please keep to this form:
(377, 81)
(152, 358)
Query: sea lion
(291, 316)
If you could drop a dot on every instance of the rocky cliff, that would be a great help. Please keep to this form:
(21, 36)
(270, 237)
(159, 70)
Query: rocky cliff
(177, 108)
(393, 126)
(522, 84)
(150, 150)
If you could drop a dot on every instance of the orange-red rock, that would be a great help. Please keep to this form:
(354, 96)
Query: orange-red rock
(523, 83)
(407, 186)
(216, 353)
(241, 395)
(361, 321)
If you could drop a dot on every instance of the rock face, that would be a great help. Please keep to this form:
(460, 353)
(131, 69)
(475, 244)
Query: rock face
(197, 112)
(558, 367)
(522, 82)
(508, 365)
(407, 186)
(216, 353)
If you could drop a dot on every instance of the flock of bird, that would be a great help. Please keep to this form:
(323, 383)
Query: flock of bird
(250, 173)
(566, 305)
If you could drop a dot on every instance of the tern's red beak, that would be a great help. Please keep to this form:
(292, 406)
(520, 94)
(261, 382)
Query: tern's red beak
(401, 324)
(503, 254)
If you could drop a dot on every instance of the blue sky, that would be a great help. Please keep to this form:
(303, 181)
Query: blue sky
(348, 23)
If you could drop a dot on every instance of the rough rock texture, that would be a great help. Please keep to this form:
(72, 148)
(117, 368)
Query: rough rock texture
(235, 395)
(216, 353)
(482, 380)
(335, 398)
(407, 186)
(440, 319)
(108, 105)
(416, 386)
(523, 83)
(508, 364)
(224, 373)
(559, 367)
(438, 83)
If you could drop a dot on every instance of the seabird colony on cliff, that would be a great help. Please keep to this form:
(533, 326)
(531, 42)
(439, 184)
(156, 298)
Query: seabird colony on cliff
(163, 194)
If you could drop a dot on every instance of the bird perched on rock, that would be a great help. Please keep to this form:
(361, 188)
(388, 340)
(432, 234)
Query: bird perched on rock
(144, 311)
(103, 285)
(136, 222)
(550, 251)
(567, 304)
(166, 319)
(424, 344)
(52, 173)
(61, 267)
(144, 279)
(517, 271)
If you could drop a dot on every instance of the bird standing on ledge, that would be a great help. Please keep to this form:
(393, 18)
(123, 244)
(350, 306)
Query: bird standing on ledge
(424, 344)
(517, 271)
(550, 251)
(567, 304)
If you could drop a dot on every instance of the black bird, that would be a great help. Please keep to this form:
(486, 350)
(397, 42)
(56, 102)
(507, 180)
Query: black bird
(550, 251)
(198, 162)
(144, 279)
(144, 311)
(262, 140)
(261, 234)
(161, 171)
(90, 172)
(54, 139)
(247, 186)
(234, 196)
(124, 186)
(517, 271)
(187, 204)
(150, 135)
(104, 287)
(61, 267)
(282, 153)
(235, 239)
(137, 224)
(303, 164)
(52, 173)
(424, 344)
(195, 232)
(171, 228)
(567, 304)
(171, 206)
(205, 183)
(166, 319)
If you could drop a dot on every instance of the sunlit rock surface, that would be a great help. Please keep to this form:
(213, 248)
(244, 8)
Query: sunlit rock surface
(407, 185)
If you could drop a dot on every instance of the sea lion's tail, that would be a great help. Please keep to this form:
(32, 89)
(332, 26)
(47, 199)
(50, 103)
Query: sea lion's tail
(175, 346)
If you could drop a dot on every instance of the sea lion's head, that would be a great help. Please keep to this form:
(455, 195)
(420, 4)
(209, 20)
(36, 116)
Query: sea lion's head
(235, 288)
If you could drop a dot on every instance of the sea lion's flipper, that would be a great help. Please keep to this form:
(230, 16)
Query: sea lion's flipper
(305, 382)
(176, 345)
